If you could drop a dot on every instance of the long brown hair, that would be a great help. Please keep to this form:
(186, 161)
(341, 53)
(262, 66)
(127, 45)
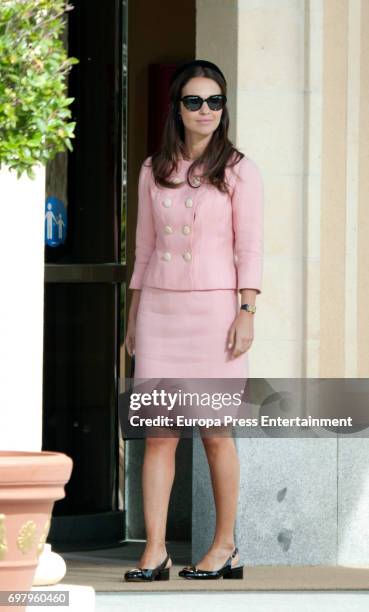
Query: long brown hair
(219, 153)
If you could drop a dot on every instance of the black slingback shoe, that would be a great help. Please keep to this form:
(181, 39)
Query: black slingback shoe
(141, 574)
(226, 571)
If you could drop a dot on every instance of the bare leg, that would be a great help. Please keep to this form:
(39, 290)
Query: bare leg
(157, 480)
(224, 467)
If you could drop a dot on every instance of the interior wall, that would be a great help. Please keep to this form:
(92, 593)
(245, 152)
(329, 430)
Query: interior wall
(158, 31)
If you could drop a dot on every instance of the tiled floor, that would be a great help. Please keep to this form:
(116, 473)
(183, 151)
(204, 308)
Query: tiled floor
(104, 569)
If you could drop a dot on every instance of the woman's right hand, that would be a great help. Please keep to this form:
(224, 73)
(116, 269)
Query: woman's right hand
(131, 322)
(130, 338)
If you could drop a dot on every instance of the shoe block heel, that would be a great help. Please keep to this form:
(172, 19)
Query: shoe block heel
(163, 574)
(235, 572)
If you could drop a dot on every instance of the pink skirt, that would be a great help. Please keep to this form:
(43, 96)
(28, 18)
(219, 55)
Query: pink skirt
(184, 334)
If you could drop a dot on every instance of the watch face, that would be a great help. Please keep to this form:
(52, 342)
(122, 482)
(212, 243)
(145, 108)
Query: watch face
(248, 308)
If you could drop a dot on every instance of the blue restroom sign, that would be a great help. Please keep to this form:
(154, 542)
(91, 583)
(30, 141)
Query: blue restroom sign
(55, 222)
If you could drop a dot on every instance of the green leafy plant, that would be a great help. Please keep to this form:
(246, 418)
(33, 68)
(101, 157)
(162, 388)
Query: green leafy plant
(34, 100)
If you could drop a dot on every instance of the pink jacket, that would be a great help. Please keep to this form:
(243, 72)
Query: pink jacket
(190, 238)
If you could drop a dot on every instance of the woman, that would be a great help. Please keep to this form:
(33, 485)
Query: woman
(198, 250)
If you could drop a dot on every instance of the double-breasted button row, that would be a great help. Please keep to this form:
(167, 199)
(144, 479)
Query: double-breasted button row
(186, 229)
(187, 256)
(196, 180)
(168, 202)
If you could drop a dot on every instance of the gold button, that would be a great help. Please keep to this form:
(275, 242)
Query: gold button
(189, 202)
(186, 229)
(167, 256)
(196, 180)
(167, 202)
(176, 180)
(168, 229)
(187, 255)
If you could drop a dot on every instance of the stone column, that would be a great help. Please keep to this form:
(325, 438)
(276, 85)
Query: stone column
(298, 77)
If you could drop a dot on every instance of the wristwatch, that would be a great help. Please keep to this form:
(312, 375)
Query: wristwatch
(248, 308)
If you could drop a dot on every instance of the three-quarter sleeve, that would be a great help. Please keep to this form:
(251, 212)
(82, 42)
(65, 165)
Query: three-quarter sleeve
(145, 229)
(247, 213)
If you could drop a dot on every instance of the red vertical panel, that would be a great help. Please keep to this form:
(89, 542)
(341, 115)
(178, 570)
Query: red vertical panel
(158, 103)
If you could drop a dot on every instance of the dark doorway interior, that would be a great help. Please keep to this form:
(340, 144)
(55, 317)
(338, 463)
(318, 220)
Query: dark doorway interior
(85, 293)
(82, 288)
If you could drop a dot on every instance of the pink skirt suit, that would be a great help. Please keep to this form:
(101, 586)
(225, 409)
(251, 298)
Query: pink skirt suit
(195, 249)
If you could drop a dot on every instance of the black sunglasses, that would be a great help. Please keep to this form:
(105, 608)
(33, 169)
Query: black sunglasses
(194, 103)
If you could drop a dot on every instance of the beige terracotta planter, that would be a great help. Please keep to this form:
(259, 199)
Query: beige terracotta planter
(30, 483)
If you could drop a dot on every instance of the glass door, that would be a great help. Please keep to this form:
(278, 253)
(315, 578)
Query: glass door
(85, 282)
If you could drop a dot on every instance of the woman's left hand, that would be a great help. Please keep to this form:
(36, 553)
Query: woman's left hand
(241, 333)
